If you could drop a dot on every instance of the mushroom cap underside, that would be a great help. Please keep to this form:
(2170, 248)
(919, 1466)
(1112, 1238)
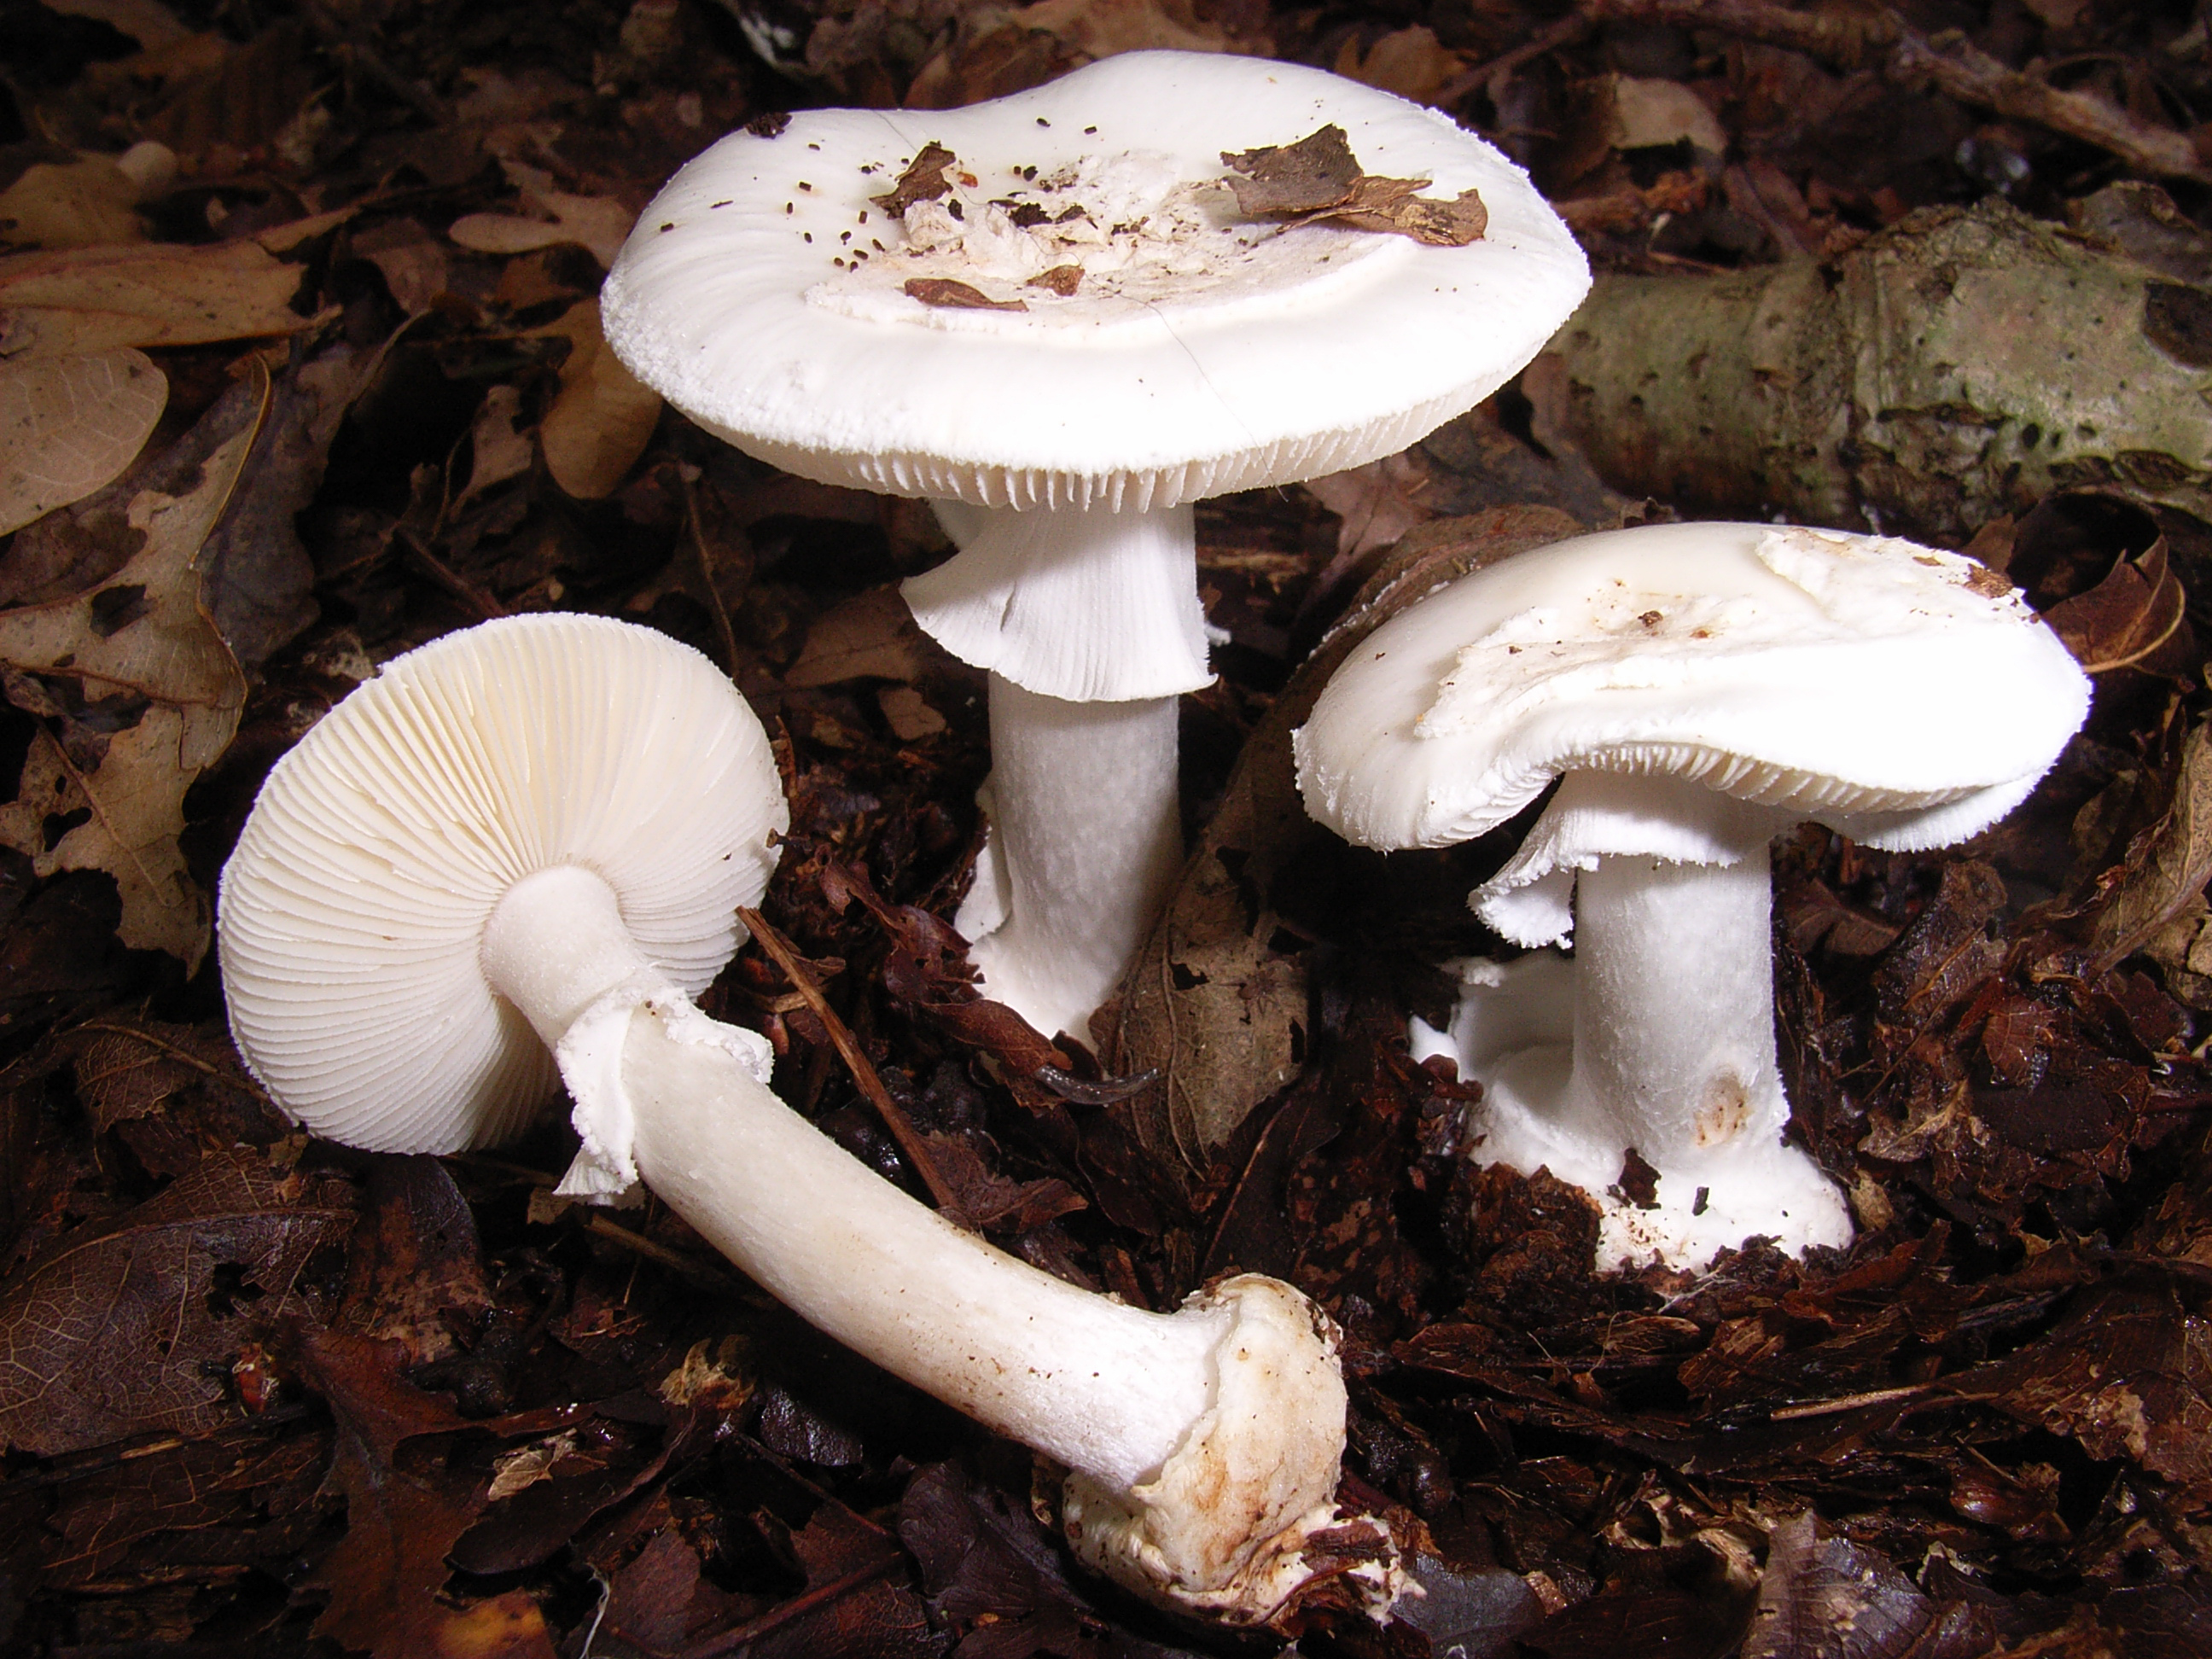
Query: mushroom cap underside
(351, 913)
(1232, 356)
(1905, 693)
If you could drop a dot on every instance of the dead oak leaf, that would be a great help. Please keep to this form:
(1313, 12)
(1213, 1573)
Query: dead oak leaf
(943, 294)
(1319, 177)
(924, 181)
(385, 1575)
(145, 633)
(2125, 618)
(127, 1325)
(157, 294)
(68, 424)
(604, 415)
(596, 223)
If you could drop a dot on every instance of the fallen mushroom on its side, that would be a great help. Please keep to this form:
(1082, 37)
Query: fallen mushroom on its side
(1696, 689)
(1047, 311)
(533, 836)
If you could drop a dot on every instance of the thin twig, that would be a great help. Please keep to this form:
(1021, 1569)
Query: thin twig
(797, 1607)
(1567, 32)
(684, 1267)
(1949, 63)
(478, 598)
(348, 45)
(706, 559)
(1849, 1402)
(909, 1139)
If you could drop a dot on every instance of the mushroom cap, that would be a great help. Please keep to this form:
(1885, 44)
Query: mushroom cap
(1214, 356)
(1907, 695)
(351, 913)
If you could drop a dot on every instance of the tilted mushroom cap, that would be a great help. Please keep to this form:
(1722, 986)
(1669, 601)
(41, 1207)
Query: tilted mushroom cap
(351, 912)
(1196, 355)
(1907, 695)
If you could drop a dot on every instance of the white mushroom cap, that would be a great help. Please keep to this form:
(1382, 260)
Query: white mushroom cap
(352, 912)
(1197, 358)
(1905, 695)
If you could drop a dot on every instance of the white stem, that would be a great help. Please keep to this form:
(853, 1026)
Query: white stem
(1085, 841)
(1108, 1389)
(1674, 1008)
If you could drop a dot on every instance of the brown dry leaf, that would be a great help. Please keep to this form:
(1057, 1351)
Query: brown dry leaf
(923, 180)
(597, 224)
(2125, 618)
(149, 22)
(872, 635)
(2174, 869)
(144, 632)
(600, 424)
(157, 294)
(1410, 62)
(1319, 177)
(70, 424)
(1287, 181)
(946, 294)
(1376, 503)
(1100, 28)
(384, 1576)
(1647, 114)
(1827, 1596)
(91, 203)
(128, 1325)
(499, 452)
(412, 261)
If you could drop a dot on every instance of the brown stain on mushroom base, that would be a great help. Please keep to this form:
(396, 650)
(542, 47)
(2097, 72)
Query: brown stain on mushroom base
(1725, 1110)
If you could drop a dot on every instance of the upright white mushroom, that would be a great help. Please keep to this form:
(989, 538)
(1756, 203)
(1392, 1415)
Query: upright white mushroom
(1696, 689)
(533, 836)
(1076, 337)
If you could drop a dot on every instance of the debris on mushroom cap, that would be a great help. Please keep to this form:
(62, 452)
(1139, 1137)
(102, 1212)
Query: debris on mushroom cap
(1889, 688)
(1196, 352)
(351, 913)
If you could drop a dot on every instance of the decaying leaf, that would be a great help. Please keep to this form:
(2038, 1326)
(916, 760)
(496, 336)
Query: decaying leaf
(84, 204)
(2176, 866)
(144, 635)
(1827, 1596)
(594, 223)
(158, 293)
(924, 181)
(2126, 618)
(946, 293)
(385, 1575)
(872, 635)
(1319, 177)
(131, 1324)
(68, 424)
(1410, 62)
(597, 427)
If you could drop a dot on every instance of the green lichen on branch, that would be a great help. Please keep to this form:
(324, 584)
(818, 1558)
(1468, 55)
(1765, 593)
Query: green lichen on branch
(1960, 365)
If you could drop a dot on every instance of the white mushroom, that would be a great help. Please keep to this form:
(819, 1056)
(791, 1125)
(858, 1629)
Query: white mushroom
(766, 293)
(532, 837)
(1697, 690)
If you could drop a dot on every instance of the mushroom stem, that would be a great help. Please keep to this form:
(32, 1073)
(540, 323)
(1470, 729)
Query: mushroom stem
(1204, 1443)
(1086, 839)
(1088, 619)
(1674, 1009)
